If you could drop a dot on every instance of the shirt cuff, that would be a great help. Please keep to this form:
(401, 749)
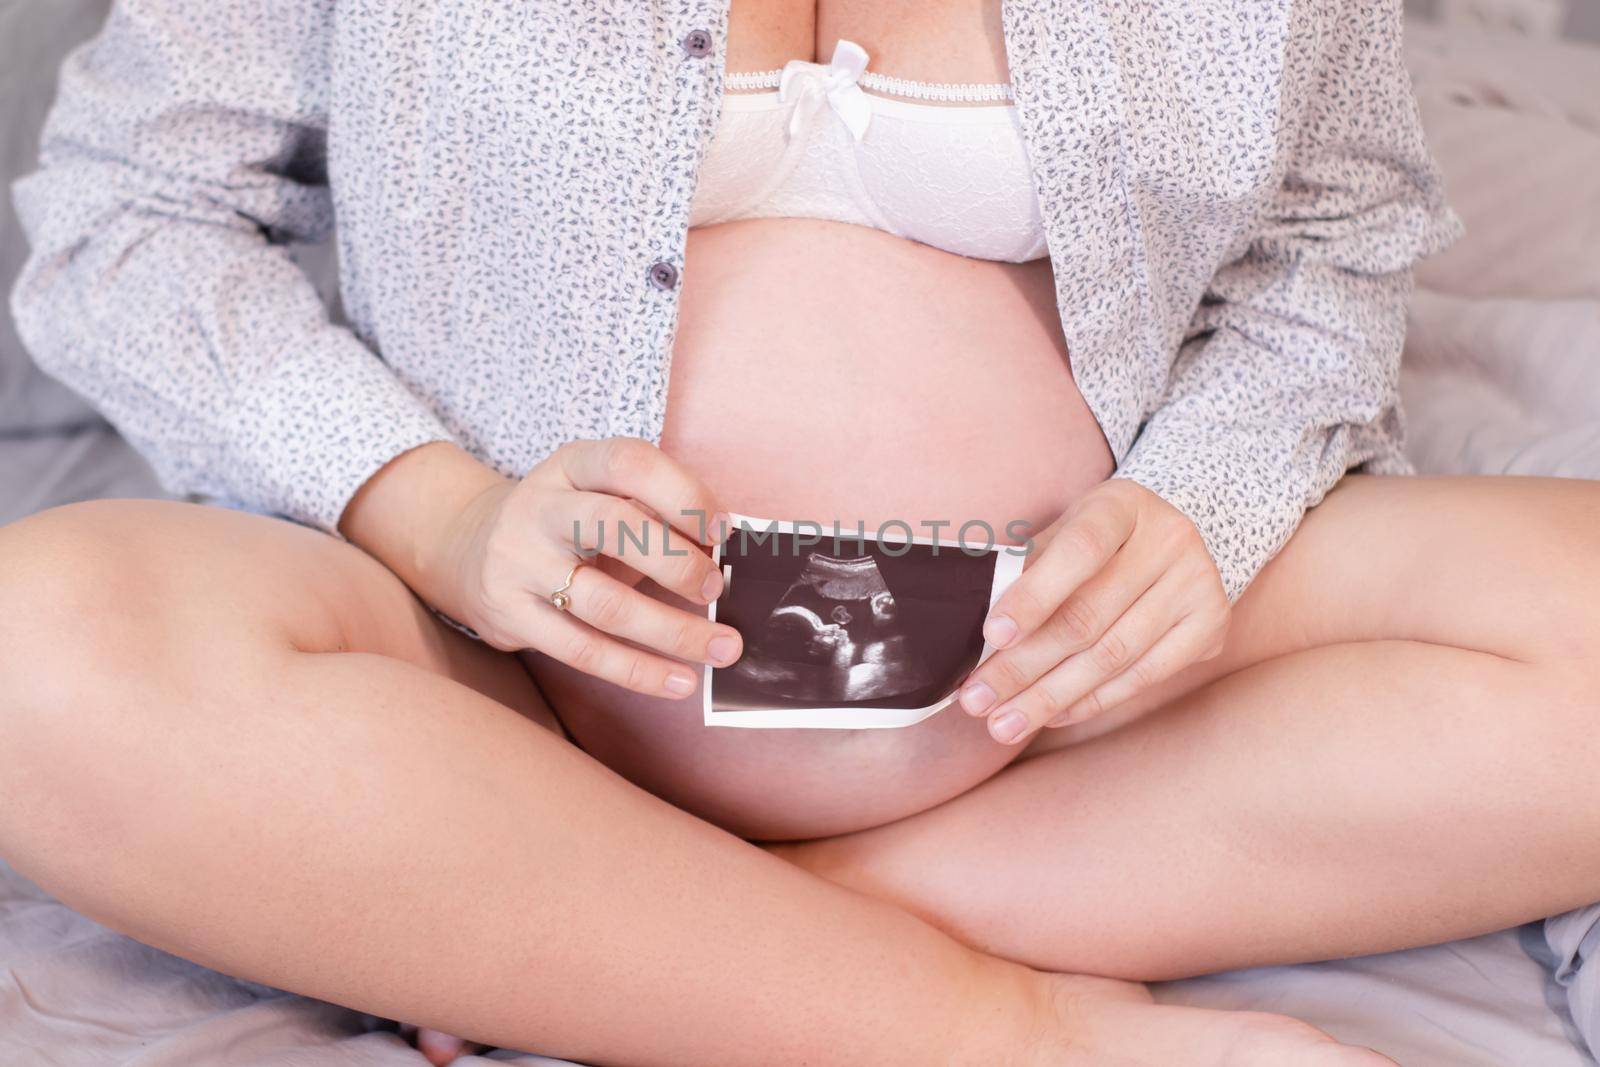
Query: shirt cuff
(1244, 503)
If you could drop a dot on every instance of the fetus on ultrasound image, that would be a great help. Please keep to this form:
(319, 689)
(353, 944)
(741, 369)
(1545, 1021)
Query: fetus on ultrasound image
(849, 623)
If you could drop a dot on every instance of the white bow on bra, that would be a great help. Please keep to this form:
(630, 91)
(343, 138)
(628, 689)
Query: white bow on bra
(836, 84)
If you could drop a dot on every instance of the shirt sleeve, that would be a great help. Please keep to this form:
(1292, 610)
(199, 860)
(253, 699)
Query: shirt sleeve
(185, 151)
(1289, 373)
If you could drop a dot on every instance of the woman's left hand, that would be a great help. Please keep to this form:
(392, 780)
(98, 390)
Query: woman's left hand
(1119, 594)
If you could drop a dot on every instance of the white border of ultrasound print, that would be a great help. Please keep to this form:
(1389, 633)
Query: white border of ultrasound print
(1007, 566)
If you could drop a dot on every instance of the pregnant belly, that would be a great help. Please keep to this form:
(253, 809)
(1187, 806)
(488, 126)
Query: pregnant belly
(827, 372)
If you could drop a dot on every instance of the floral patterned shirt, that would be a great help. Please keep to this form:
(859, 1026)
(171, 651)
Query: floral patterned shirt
(1233, 191)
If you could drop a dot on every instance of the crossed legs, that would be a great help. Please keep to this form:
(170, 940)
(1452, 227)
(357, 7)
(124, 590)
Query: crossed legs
(247, 743)
(285, 769)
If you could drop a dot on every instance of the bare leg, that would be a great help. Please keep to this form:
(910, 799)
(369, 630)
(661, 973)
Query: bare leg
(244, 742)
(1397, 747)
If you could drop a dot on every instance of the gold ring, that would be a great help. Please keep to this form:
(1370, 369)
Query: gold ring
(561, 599)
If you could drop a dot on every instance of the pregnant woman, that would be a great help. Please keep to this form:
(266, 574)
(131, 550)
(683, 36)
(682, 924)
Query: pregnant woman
(1133, 274)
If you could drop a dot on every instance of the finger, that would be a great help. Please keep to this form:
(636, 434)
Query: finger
(631, 467)
(621, 530)
(1182, 646)
(1078, 624)
(615, 608)
(1123, 643)
(1079, 549)
(583, 648)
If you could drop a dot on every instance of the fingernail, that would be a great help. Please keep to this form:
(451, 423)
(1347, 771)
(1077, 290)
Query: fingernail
(1008, 727)
(976, 698)
(682, 684)
(711, 588)
(723, 649)
(999, 631)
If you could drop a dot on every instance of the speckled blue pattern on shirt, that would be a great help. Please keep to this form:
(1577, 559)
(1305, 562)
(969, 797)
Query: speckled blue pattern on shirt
(1233, 193)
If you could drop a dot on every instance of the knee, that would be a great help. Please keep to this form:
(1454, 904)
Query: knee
(81, 609)
(83, 618)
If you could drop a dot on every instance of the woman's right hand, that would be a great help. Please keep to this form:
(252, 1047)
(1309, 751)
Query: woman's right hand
(494, 562)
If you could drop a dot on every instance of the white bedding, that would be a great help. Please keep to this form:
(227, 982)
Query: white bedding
(1505, 386)
(1485, 1002)
(1502, 367)
(1502, 375)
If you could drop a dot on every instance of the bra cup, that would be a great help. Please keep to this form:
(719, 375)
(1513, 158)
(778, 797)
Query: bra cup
(742, 164)
(755, 170)
(1039, 248)
(965, 187)
(827, 183)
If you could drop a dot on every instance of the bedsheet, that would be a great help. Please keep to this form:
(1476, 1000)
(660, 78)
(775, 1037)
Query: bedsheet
(1502, 364)
(1483, 1002)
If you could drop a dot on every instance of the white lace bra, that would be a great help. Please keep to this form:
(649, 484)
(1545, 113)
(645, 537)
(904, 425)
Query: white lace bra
(956, 178)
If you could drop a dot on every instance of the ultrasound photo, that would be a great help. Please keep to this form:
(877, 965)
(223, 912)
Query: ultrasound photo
(849, 632)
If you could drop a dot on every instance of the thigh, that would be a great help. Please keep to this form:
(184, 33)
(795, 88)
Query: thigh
(1505, 565)
(1489, 564)
(149, 584)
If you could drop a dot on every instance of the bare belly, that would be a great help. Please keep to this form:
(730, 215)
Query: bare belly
(825, 371)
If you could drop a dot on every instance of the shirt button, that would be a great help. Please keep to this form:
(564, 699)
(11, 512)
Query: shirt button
(663, 275)
(697, 42)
